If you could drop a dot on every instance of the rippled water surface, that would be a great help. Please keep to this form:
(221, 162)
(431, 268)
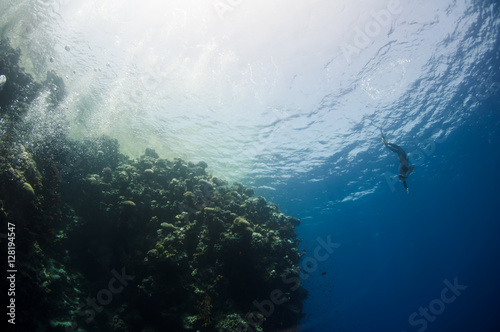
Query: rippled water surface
(258, 90)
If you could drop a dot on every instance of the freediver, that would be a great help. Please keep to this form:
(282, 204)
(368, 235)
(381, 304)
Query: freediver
(405, 169)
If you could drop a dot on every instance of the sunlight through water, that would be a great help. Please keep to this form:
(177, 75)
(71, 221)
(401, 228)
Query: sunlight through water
(257, 89)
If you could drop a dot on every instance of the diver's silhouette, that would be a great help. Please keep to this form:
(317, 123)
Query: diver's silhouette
(405, 169)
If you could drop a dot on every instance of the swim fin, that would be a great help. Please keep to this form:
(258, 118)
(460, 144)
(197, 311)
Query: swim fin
(383, 138)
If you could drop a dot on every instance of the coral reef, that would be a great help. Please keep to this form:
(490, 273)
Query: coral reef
(18, 89)
(109, 243)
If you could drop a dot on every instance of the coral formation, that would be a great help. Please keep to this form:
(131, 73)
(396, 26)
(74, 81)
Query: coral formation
(195, 252)
(199, 256)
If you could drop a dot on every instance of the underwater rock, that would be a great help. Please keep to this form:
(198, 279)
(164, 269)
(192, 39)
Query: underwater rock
(202, 164)
(234, 322)
(151, 153)
(218, 182)
(28, 190)
(242, 225)
(127, 204)
(249, 192)
(294, 221)
(19, 177)
(107, 174)
(168, 228)
(122, 177)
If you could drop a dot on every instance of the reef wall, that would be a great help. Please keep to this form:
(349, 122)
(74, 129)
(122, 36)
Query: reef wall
(108, 243)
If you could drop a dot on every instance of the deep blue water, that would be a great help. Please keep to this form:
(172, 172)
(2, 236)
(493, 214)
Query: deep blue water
(434, 70)
(396, 249)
